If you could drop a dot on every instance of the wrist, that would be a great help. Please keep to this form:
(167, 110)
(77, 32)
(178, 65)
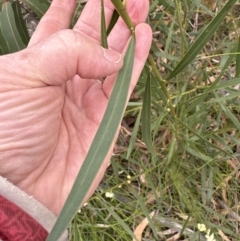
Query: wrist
(29, 205)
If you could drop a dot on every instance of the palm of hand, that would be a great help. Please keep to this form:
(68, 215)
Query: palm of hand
(54, 140)
(47, 129)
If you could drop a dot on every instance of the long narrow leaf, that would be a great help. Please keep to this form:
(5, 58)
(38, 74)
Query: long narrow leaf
(167, 6)
(214, 85)
(100, 145)
(202, 39)
(3, 43)
(39, 7)
(21, 26)
(114, 19)
(146, 116)
(224, 98)
(119, 220)
(104, 42)
(76, 14)
(238, 60)
(145, 211)
(229, 115)
(134, 135)
(203, 185)
(9, 28)
(202, 138)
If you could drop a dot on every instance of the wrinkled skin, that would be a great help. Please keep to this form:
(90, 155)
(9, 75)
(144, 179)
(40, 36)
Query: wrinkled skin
(52, 101)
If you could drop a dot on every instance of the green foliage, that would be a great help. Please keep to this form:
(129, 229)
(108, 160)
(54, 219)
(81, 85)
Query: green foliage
(202, 39)
(104, 42)
(13, 31)
(12, 41)
(100, 146)
(20, 24)
(146, 116)
(38, 6)
(193, 126)
(179, 147)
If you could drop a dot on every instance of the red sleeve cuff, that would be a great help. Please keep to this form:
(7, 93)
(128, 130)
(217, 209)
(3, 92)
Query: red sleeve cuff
(16, 225)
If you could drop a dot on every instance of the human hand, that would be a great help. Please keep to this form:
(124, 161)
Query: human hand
(52, 101)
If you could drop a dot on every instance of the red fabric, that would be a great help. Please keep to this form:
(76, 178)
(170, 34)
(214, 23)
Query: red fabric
(16, 225)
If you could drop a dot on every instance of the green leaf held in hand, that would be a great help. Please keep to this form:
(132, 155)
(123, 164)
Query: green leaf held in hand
(100, 145)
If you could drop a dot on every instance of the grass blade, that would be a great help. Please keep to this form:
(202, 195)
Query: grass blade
(224, 98)
(119, 220)
(134, 135)
(167, 6)
(100, 146)
(229, 115)
(202, 39)
(215, 85)
(202, 138)
(238, 60)
(145, 211)
(203, 185)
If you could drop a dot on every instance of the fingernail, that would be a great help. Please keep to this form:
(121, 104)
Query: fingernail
(112, 56)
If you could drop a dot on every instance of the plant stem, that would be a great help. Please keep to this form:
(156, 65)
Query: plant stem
(121, 8)
(162, 82)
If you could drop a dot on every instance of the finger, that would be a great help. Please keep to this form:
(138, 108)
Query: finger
(57, 17)
(144, 39)
(89, 22)
(65, 54)
(143, 43)
(138, 11)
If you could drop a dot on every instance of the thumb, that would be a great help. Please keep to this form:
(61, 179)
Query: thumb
(67, 53)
